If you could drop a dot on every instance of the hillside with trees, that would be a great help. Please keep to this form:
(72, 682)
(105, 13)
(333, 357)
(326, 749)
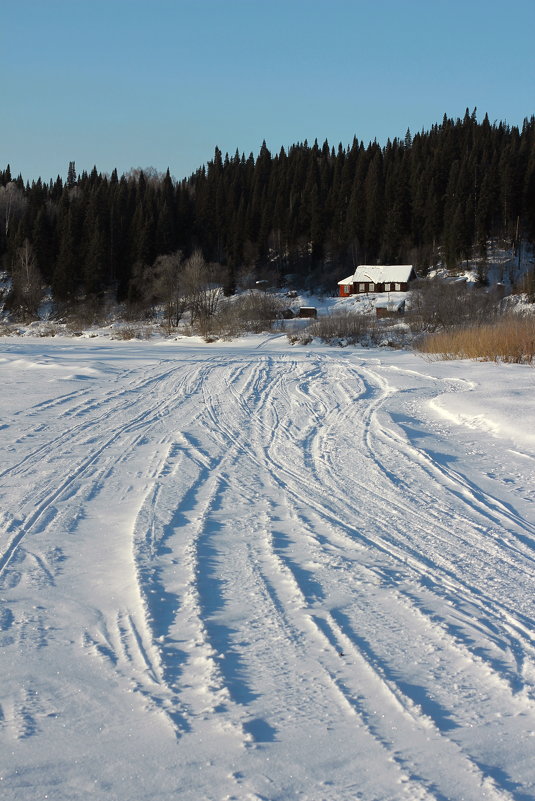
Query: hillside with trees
(310, 211)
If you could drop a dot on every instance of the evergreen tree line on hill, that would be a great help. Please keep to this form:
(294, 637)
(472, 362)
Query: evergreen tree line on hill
(312, 211)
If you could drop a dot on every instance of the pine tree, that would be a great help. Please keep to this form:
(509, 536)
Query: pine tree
(374, 209)
(71, 175)
(64, 278)
(44, 244)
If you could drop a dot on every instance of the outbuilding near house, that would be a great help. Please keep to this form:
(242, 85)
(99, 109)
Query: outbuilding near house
(308, 311)
(390, 308)
(377, 278)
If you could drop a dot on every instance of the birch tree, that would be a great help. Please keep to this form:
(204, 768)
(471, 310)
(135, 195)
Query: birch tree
(27, 290)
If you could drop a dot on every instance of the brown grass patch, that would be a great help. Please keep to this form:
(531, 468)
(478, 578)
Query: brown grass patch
(510, 339)
(343, 326)
(128, 332)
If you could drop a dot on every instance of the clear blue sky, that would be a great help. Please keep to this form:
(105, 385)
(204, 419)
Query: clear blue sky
(126, 83)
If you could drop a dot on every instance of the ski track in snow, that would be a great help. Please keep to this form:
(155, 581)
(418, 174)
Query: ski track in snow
(262, 574)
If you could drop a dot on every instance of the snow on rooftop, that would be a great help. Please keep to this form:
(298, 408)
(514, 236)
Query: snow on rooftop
(379, 273)
(394, 304)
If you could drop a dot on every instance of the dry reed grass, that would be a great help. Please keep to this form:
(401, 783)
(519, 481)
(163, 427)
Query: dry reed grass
(347, 326)
(129, 332)
(509, 339)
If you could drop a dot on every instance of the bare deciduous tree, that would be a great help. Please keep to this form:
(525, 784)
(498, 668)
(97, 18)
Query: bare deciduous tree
(437, 304)
(167, 286)
(12, 202)
(254, 311)
(27, 291)
(200, 291)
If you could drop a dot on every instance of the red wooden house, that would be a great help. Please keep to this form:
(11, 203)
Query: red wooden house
(377, 278)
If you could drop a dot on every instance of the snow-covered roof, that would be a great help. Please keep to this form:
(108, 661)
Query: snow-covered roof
(391, 305)
(379, 273)
(346, 281)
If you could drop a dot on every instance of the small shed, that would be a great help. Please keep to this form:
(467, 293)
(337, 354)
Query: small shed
(308, 311)
(390, 308)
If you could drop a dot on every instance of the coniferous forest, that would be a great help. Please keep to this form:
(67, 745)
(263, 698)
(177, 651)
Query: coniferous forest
(313, 211)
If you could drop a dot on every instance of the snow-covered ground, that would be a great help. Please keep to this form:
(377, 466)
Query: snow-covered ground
(251, 571)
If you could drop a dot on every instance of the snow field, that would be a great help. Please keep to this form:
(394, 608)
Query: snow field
(262, 572)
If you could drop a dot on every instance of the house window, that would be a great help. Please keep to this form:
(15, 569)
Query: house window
(362, 287)
(346, 289)
(372, 288)
(388, 288)
(398, 287)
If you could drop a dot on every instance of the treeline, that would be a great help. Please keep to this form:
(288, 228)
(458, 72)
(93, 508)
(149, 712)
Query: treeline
(313, 211)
